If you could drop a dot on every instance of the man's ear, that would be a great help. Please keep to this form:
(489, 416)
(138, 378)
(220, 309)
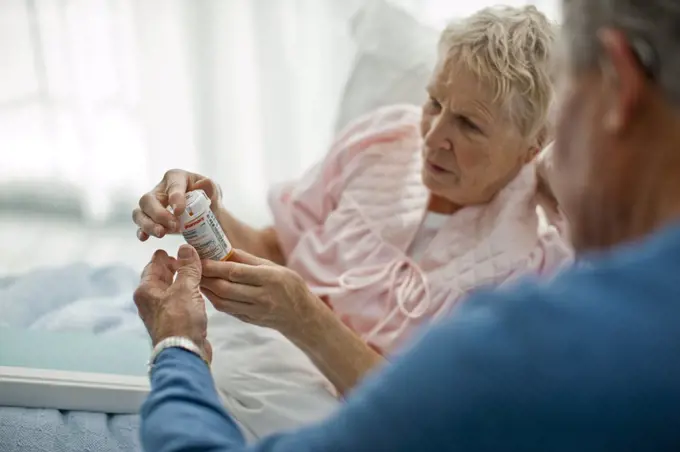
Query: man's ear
(623, 80)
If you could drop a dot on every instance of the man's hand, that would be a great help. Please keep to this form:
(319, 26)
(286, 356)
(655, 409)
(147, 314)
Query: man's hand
(174, 308)
(260, 292)
(152, 216)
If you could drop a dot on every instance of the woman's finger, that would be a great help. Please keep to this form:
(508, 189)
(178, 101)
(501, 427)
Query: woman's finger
(236, 272)
(142, 236)
(154, 209)
(147, 225)
(232, 291)
(209, 187)
(235, 308)
(176, 189)
(242, 257)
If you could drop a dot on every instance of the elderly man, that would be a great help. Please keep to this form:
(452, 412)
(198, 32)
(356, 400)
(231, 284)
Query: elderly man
(588, 361)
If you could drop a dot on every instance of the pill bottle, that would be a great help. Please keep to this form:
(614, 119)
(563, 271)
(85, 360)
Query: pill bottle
(201, 229)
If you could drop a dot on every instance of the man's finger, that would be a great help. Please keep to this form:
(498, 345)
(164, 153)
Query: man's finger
(145, 296)
(176, 189)
(231, 291)
(155, 263)
(236, 272)
(159, 268)
(188, 267)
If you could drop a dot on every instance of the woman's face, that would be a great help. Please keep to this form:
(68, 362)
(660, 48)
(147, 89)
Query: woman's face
(471, 149)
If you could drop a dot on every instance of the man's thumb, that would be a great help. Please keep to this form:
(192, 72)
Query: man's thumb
(189, 264)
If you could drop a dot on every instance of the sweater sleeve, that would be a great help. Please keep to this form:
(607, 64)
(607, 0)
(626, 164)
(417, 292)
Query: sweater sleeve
(183, 411)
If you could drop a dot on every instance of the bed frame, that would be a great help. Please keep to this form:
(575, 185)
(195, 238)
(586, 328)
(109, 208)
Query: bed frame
(67, 390)
(72, 371)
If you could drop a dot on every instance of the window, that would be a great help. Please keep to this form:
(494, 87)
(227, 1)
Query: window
(69, 104)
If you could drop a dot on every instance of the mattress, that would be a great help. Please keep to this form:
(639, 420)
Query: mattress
(49, 430)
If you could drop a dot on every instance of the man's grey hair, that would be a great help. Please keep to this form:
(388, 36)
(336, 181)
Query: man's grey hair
(651, 26)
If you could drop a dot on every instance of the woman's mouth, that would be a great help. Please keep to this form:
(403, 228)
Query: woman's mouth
(436, 169)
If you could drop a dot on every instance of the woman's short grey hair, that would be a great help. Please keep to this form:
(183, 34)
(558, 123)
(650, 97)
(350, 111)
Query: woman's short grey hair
(511, 49)
(651, 26)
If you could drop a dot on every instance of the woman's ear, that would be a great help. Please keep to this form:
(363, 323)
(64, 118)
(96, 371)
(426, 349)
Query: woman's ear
(533, 152)
(539, 143)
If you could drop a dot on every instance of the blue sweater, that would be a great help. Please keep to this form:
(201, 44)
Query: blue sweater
(587, 362)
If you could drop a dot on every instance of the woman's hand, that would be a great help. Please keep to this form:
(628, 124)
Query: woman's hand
(260, 292)
(152, 216)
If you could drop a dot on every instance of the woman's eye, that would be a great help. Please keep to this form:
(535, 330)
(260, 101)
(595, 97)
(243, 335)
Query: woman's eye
(434, 103)
(469, 124)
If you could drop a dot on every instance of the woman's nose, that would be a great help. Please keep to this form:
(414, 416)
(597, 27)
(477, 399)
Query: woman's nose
(437, 137)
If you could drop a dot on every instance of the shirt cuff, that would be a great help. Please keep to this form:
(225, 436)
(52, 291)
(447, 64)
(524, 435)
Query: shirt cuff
(179, 358)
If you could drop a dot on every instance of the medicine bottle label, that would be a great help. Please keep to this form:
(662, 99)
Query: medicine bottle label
(206, 236)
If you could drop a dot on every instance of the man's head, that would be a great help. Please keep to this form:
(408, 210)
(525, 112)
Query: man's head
(617, 151)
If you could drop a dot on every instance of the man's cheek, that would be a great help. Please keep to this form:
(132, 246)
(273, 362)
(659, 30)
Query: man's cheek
(570, 135)
(569, 146)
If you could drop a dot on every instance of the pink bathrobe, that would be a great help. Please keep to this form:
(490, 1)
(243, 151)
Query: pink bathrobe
(347, 224)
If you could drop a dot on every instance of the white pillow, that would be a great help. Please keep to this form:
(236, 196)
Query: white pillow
(395, 53)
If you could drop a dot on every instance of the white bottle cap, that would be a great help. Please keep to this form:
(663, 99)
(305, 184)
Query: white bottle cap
(197, 204)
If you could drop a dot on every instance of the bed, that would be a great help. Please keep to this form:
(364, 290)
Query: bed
(65, 355)
(37, 430)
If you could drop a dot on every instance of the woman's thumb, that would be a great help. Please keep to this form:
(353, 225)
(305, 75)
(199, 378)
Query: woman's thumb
(209, 187)
(189, 266)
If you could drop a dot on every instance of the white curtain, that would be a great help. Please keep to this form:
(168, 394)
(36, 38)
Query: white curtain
(99, 97)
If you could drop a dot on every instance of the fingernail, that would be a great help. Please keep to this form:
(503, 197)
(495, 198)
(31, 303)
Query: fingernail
(184, 252)
(173, 225)
(139, 234)
(158, 231)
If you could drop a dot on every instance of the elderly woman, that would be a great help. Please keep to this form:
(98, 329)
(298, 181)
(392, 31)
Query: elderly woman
(410, 210)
